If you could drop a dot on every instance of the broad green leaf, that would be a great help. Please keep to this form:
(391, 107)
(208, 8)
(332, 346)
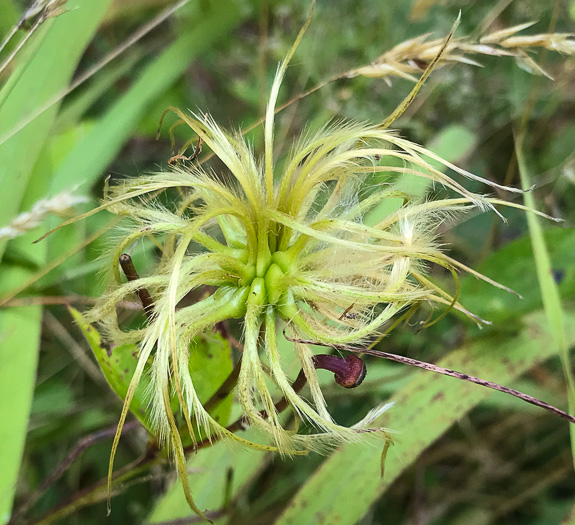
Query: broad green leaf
(117, 364)
(210, 365)
(513, 266)
(423, 411)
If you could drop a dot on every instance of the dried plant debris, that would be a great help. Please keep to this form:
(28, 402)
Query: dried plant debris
(408, 59)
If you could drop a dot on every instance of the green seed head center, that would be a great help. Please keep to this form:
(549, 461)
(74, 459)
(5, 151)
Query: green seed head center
(269, 279)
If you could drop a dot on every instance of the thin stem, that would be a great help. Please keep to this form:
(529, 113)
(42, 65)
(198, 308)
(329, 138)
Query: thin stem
(64, 300)
(8, 37)
(195, 519)
(80, 446)
(132, 275)
(21, 44)
(225, 389)
(445, 371)
(181, 156)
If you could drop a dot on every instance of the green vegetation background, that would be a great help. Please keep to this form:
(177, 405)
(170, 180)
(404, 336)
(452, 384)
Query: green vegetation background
(462, 454)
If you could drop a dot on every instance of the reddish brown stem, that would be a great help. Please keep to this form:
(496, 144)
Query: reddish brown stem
(132, 275)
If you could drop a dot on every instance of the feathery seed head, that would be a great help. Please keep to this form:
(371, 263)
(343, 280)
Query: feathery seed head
(301, 249)
(328, 247)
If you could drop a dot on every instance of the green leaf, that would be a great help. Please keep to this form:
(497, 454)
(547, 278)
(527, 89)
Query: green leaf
(513, 266)
(423, 411)
(111, 132)
(19, 343)
(210, 365)
(57, 48)
(118, 364)
(548, 287)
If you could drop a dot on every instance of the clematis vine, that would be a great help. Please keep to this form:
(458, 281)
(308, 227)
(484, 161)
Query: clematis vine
(288, 246)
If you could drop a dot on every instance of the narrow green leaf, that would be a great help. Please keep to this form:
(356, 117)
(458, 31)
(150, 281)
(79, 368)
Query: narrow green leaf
(19, 344)
(548, 286)
(37, 80)
(348, 483)
(107, 137)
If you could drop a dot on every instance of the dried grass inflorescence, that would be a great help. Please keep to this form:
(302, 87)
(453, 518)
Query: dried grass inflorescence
(60, 204)
(408, 59)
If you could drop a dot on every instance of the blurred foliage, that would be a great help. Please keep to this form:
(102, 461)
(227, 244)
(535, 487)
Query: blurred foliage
(478, 458)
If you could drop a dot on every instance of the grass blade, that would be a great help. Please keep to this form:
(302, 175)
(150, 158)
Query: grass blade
(38, 79)
(547, 285)
(23, 180)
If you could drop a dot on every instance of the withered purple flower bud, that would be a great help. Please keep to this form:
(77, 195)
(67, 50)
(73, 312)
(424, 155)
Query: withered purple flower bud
(349, 371)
